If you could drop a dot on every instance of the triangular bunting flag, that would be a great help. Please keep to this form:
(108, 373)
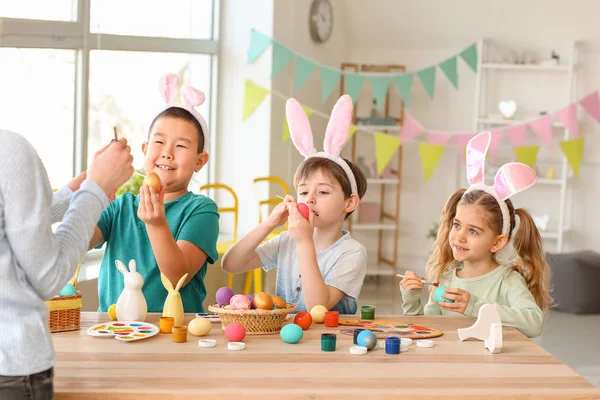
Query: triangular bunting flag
(258, 44)
(329, 79)
(385, 147)
(304, 69)
(427, 77)
(517, 135)
(286, 128)
(449, 68)
(573, 150)
(281, 57)
(440, 138)
(352, 131)
(527, 155)
(430, 157)
(591, 105)
(380, 84)
(404, 85)
(411, 128)
(353, 83)
(253, 96)
(543, 128)
(568, 117)
(469, 55)
(493, 150)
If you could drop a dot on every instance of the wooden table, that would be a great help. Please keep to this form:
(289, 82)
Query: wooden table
(104, 368)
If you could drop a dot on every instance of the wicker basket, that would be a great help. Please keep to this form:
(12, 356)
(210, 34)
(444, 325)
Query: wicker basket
(256, 322)
(65, 313)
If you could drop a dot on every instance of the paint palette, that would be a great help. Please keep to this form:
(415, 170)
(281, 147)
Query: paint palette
(383, 328)
(125, 331)
(212, 317)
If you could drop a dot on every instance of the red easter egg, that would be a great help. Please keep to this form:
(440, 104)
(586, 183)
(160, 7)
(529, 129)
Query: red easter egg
(304, 210)
(235, 332)
(303, 319)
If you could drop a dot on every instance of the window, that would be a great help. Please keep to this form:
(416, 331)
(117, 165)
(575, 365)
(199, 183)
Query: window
(55, 10)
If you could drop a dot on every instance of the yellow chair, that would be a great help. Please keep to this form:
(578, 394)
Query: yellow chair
(265, 205)
(224, 245)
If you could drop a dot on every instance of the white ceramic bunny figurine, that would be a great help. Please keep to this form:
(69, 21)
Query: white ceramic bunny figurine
(173, 305)
(131, 305)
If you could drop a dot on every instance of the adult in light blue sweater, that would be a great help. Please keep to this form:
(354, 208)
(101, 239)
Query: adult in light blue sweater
(35, 262)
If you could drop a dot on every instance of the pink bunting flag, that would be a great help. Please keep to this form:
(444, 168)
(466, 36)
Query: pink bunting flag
(411, 128)
(440, 138)
(493, 150)
(591, 104)
(517, 134)
(461, 140)
(568, 116)
(543, 128)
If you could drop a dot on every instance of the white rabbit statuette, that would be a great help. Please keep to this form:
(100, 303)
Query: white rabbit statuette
(131, 305)
(173, 304)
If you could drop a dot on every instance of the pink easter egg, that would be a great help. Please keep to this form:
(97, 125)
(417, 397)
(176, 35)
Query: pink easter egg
(239, 302)
(304, 210)
(235, 332)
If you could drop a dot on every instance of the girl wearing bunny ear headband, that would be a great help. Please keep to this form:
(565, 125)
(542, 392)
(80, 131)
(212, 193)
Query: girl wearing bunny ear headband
(173, 231)
(480, 257)
(318, 262)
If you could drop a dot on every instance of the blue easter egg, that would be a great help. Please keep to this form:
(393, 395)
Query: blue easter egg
(438, 292)
(367, 339)
(68, 290)
(291, 333)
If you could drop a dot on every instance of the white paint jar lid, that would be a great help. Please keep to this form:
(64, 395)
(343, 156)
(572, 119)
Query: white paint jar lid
(424, 343)
(207, 343)
(358, 350)
(236, 346)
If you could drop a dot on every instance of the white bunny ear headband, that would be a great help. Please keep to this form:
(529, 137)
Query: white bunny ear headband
(511, 178)
(191, 98)
(336, 133)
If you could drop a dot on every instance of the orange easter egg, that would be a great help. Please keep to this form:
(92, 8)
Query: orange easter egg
(153, 180)
(263, 300)
(279, 302)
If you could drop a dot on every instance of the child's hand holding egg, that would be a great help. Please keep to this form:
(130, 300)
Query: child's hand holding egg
(153, 180)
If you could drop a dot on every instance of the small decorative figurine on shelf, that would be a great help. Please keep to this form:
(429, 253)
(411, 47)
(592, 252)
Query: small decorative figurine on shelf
(374, 119)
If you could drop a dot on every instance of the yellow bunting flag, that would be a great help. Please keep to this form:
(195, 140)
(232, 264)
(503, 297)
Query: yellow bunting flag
(385, 147)
(286, 128)
(352, 131)
(253, 97)
(430, 157)
(527, 155)
(573, 150)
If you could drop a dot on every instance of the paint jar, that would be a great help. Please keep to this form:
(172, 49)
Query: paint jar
(368, 312)
(166, 324)
(328, 341)
(356, 332)
(332, 319)
(392, 345)
(180, 334)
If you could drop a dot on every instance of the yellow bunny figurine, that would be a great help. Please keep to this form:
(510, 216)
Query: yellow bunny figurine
(173, 304)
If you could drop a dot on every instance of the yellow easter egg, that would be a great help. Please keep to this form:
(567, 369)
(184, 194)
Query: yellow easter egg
(112, 312)
(199, 327)
(318, 313)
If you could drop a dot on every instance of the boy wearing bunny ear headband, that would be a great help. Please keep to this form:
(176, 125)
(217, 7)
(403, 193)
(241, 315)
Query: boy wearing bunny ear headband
(317, 261)
(173, 231)
(479, 256)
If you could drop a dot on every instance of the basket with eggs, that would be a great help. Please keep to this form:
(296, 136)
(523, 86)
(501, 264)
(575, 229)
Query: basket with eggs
(261, 314)
(65, 309)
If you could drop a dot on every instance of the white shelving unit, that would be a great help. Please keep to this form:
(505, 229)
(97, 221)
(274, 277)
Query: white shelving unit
(483, 122)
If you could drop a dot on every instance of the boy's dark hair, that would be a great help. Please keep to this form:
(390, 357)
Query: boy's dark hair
(180, 113)
(335, 172)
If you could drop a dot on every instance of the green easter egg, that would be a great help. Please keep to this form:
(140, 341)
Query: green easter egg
(437, 294)
(68, 290)
(291, 333)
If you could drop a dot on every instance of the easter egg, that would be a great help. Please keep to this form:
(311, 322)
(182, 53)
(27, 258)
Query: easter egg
(279, 302)
(291, 333)
(235, 332)
(263, 300)
(303, 319)
(438, 292)
(318, 313)
(68, 290)
(251, 298)
(112, 312)
(304, 210)
(199, 327)
(367, 339)
(239, 302)
(153, 180)
(224, 295)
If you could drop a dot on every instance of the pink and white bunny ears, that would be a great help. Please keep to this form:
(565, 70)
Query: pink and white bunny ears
(511, 178)
(191, 98)
(336, 133)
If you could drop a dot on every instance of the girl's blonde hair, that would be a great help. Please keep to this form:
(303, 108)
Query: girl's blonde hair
(531, 261)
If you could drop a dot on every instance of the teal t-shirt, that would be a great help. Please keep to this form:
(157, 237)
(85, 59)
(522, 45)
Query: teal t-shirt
(192, 217)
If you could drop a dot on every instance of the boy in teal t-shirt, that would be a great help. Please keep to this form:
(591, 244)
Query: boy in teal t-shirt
(170, 231)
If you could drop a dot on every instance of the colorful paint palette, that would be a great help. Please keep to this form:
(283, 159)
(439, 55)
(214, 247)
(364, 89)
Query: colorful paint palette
(383, 328)
(125, 331)
(212, 317)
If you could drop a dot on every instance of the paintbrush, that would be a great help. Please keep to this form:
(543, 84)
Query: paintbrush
(436, 284)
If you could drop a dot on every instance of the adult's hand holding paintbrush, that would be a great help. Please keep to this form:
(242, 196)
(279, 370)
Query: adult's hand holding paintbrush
(412, 281)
